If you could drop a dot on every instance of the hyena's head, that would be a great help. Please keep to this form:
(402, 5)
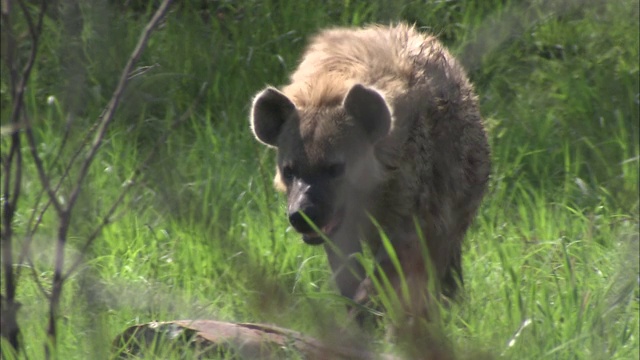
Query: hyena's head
(326, 160)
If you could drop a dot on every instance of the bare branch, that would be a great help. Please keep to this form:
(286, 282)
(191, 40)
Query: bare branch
(19, 104)
(65, 214)
(35, 37)
(25, 12)
(152, 153)
(8, 305)
(36, 278)
(115, 99)
(32, 226)
(11, 46)
(9, 328)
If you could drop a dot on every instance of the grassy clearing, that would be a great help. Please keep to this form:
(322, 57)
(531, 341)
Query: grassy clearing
(551, 264)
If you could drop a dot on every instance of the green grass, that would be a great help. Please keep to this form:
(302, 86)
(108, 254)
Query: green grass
(551, 264)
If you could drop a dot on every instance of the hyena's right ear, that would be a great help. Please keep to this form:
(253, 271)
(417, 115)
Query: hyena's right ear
(270, 110)
(369, 109)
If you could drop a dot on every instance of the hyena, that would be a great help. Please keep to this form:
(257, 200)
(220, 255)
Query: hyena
(379, 131)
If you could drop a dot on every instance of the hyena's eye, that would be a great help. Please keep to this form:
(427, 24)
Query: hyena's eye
(335, 170)
(287, 173)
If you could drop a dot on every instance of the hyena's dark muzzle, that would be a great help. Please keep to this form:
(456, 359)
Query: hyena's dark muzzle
(314, 202)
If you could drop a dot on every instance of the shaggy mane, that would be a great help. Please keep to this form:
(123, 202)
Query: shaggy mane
(337, 59)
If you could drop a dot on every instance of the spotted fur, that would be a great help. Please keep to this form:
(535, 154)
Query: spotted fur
(395, 107)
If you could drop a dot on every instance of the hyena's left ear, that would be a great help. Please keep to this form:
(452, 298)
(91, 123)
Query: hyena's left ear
(270, 110)
(369, 109)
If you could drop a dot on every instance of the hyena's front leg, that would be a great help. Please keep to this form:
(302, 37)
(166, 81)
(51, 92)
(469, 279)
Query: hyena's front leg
(347, 271)
(415, 300)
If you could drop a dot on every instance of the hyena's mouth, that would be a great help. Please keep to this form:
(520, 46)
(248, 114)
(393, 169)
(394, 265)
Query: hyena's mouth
(328, 230)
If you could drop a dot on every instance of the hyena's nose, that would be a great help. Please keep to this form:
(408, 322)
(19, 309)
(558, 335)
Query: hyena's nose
(299, 222)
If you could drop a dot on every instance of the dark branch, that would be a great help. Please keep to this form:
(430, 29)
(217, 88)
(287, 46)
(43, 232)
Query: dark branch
(139, 169)
(34, 32)
(65, 214)
(115, 99)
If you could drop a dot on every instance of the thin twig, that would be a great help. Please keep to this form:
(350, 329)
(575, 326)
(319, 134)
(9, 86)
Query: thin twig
(115, 99)
(27, 17)
(8, 304)
(19, 104)
(11, 46)
(65, 214)
(32, 226)
(129, 184)
(36, 278)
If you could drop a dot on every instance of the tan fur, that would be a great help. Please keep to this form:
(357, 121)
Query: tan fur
(432, 166)
(339, 58)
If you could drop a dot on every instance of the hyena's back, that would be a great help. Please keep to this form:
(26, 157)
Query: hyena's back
(390, 59)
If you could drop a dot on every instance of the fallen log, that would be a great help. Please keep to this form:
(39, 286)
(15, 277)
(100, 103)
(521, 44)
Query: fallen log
(209, 338)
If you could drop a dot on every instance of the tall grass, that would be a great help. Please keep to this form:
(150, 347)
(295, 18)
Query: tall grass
(551, 263)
